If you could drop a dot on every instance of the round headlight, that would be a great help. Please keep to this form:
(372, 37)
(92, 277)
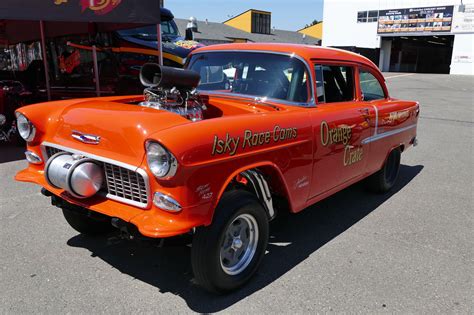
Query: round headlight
(160, 161)
(25, 127)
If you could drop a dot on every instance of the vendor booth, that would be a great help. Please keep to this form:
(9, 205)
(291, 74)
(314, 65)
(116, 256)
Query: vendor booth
(69, 37)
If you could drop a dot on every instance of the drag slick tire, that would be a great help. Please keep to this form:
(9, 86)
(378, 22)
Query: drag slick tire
(385, 179)
(226, 254)
(86, 225)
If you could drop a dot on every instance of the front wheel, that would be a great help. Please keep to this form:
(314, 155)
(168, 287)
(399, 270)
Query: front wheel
(385, 179)
(226, 254)
(86, 225)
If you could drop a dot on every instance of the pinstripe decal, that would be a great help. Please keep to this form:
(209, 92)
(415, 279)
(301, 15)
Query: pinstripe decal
(376, 119)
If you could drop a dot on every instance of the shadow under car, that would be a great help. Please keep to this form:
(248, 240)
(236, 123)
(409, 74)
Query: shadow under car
(169, 268)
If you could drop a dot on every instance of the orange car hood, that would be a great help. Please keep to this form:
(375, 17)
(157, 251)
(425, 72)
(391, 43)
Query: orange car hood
(122, 128)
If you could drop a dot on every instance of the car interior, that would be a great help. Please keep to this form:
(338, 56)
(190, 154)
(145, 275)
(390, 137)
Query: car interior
(338, 83)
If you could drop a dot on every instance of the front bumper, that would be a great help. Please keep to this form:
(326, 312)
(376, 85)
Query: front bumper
(153, 222)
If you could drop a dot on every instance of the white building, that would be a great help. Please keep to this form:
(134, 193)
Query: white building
(434, 36)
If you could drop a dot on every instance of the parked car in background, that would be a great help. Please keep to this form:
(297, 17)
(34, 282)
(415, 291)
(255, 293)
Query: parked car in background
(271, 129)
(13, 95)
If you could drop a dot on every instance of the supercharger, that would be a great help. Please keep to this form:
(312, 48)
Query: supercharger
(173, 90)
(80, 176)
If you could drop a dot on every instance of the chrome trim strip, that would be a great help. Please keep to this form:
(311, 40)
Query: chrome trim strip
(85, 138)
(386, 134)
(260, 186)
(376, 120)
(136, 169)
(128, 201)
(310, 103)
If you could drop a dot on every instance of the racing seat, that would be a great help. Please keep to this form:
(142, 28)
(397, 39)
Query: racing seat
(267, 83)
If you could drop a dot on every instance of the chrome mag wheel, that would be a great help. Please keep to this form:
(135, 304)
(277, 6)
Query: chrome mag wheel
(239, 245)
(226, 254)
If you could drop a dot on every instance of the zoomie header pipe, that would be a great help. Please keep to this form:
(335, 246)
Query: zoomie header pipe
(153, 75)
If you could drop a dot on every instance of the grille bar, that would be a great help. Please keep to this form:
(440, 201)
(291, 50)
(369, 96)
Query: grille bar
(122, 184)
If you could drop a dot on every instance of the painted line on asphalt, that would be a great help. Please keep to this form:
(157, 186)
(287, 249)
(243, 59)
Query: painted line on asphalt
(399, 75)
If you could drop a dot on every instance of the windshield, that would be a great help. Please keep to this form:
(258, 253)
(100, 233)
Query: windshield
(257, 74)
(168, 29)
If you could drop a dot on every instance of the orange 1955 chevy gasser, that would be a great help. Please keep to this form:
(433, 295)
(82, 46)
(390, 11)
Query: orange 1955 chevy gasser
(216, 151)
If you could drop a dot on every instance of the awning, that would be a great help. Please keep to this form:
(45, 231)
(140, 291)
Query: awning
(108, 11)
(17, 31)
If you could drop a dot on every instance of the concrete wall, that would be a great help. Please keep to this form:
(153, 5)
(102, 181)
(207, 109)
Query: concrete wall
(462, 60)
(385, 51)
(340, 19)
(341, 29)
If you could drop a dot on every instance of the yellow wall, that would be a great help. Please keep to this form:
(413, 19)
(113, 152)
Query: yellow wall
(313, 30)
(243, 21)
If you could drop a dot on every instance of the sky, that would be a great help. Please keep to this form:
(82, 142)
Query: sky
(286, 14)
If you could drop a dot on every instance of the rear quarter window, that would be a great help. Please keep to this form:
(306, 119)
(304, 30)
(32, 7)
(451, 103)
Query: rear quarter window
(370, 86)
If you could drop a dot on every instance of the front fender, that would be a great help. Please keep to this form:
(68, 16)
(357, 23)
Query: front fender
(205, 171)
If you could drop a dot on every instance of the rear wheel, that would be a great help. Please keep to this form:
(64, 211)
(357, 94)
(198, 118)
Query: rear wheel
(227, 253)
(86, 225)
(385, 179)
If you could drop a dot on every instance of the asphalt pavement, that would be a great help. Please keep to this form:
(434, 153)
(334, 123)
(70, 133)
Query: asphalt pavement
(410, 251)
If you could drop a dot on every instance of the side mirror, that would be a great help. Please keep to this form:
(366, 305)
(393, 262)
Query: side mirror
(3, 120)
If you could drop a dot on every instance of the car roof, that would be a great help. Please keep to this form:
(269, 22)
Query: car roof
(166, 14)
(305, 51)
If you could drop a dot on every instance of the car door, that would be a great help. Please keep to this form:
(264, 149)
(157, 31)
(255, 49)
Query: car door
(340, 123)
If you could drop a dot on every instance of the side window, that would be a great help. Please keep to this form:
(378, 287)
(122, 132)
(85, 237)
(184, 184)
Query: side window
(334, 83)
(370, 86)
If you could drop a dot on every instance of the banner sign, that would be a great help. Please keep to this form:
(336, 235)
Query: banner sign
(114, 11)
(415, 20)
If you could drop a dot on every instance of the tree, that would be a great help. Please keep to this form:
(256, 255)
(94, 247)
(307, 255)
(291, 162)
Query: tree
(312, 23)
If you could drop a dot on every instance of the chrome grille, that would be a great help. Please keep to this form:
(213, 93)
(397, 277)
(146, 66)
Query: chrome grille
(121, 184)
(50, 151)
(124, 183)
